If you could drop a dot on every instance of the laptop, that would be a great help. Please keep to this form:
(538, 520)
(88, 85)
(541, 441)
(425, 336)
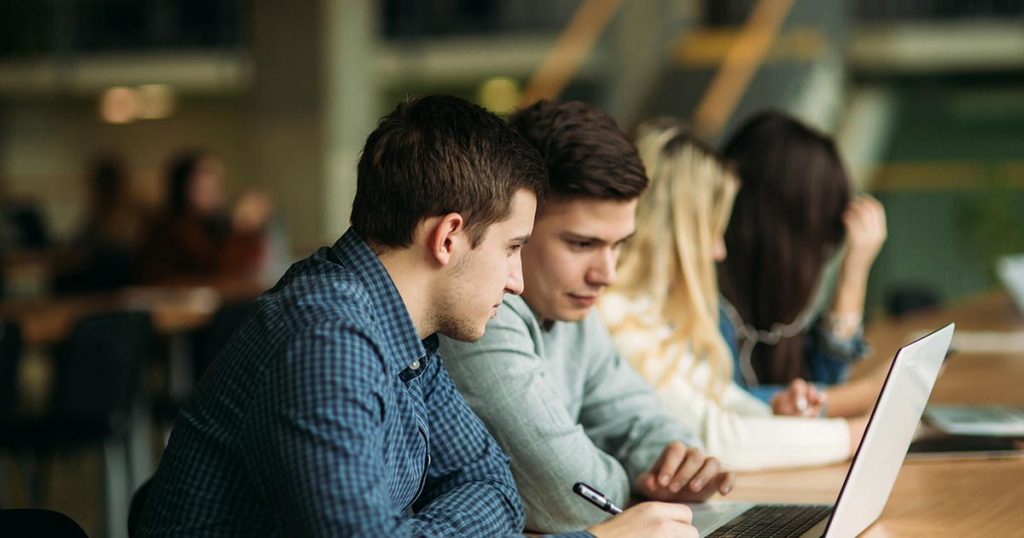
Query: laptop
(1011, 272)
(874, 468)
(977, 419)
(941, 446)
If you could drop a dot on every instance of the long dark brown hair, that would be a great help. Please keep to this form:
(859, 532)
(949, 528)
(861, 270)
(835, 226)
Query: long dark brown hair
(786, 222)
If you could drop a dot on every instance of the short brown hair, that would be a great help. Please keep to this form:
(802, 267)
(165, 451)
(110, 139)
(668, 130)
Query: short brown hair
(436, 155)
(586, 153)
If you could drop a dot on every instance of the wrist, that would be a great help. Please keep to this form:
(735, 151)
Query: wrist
(843, 324)
(856, 269)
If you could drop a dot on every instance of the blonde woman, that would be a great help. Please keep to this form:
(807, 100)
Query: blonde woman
(663, 313)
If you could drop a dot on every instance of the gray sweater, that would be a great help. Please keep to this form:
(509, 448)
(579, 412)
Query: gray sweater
(565, 407)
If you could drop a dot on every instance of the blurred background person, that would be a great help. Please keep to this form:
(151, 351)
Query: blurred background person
(104, 253)
(195, 237)
(663, 313)
(791, 216)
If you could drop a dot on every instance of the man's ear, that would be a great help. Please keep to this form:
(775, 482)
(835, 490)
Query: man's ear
(444, 236)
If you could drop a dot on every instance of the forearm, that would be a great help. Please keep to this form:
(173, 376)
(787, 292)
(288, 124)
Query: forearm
(847, 310)
(740, 431)
(853, 398)
(745, 443)
(625, 418)
(856, 427)
(478, 508)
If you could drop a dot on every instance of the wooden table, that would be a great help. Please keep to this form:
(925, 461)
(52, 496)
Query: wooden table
(934, 498)
(174, 309)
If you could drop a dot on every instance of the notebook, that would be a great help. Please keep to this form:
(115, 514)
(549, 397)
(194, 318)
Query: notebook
(977, 419)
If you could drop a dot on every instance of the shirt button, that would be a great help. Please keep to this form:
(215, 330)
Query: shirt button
(415, 365)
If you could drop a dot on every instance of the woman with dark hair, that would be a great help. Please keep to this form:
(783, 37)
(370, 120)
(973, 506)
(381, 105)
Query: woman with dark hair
(793, 212)
(195, 238)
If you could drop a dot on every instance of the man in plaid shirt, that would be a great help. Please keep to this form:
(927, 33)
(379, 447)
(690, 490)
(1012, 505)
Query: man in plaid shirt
(329, 412)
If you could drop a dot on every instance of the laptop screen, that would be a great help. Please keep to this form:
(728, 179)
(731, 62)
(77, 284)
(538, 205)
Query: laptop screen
(889, 432)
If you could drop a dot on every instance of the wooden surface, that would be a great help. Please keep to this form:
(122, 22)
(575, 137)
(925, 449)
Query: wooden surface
(175, 309)
(933, 498)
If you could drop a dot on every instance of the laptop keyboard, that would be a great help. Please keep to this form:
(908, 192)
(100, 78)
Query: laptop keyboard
(773, 521)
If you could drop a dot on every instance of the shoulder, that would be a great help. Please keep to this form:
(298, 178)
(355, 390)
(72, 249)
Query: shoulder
(511, 343)
(316, 291)
(326, 316)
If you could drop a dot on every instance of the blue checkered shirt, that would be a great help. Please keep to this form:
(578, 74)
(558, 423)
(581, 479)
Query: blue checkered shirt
(327, 416)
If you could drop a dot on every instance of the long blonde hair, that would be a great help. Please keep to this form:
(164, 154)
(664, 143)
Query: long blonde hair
(670, 260)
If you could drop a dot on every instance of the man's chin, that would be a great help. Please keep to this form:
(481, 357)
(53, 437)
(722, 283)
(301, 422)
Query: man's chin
(465, 334)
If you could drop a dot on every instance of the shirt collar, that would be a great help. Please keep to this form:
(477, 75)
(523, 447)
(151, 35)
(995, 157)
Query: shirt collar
(389, 311)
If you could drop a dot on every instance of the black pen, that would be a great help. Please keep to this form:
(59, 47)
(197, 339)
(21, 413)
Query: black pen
(596, 498)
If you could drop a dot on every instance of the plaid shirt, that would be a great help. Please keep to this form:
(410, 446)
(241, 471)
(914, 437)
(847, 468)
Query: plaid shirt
(327, 416)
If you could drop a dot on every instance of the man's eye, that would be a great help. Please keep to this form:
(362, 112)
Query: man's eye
(580, 244)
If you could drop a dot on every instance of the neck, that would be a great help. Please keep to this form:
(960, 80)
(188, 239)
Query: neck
(413, 283)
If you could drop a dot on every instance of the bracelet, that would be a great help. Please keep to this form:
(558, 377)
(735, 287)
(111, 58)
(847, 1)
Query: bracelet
(843, 325)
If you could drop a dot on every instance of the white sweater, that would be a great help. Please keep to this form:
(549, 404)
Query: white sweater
(738, 429)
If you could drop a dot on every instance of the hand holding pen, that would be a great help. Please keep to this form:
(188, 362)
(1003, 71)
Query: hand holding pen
(650, 519)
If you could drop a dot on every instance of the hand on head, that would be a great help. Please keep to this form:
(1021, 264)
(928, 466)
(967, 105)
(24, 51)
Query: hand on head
(651, 520)
(799, 399)
(683, 474)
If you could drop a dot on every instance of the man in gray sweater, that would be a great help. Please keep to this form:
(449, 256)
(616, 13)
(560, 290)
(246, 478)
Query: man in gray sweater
(546, 378)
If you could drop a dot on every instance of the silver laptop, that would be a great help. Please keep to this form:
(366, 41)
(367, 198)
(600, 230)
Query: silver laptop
(1011, 272)
(873, 471)
(977, 419)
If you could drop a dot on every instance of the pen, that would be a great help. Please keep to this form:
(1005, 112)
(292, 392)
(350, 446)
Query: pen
(596, 498)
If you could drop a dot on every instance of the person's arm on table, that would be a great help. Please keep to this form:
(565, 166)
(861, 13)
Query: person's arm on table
(740, 430)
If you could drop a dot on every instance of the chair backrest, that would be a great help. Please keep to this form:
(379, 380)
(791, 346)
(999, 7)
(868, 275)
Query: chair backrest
(211, 339)
(33, 522)
(10, 358)
(99, 367)
(137, 505)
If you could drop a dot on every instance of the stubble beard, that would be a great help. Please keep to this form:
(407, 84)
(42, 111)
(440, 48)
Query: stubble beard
(448, 320)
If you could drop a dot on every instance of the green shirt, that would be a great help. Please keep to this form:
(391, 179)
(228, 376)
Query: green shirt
(565, 407)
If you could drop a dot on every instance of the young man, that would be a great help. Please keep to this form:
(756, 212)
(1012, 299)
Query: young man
(546, 378)
(329, 413)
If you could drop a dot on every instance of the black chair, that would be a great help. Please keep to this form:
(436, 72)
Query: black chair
(34, 523)
(95, 401)
(10, 358)
(206, 343)
(908, 298)
(138, 504)
(27, 226)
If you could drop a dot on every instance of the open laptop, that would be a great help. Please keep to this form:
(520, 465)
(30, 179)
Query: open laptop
(1011, 272)
(874, 468)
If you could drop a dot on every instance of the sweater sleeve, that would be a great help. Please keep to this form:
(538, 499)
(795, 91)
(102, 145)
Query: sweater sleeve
(736, 427)
(740, 431)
